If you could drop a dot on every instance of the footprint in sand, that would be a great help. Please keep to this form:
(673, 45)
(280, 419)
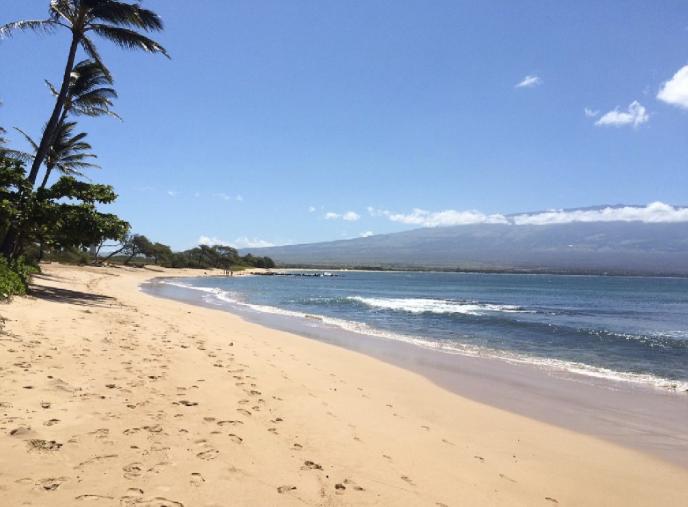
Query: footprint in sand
(93, 497)
(235, 438)
(21, 431)
(407, 479)
(38, 445)
(243, 411)
(310, 465)
(353, 484)
(230, 422)
(208, 455)
(50, 484)
(197, 479)
(158, 501)
(133, 470)
(187, 403)
(285, 489)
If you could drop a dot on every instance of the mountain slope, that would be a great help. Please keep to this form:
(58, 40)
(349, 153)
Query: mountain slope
(593, 247)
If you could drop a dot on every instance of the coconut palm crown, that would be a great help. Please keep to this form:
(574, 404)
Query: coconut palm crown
(90, 91)
(68, 154)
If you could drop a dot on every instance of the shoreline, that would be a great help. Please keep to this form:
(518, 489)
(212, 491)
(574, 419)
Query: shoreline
(120, 398)
(637, 416)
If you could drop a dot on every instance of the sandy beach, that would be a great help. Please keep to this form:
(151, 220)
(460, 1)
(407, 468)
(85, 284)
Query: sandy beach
(111, 397)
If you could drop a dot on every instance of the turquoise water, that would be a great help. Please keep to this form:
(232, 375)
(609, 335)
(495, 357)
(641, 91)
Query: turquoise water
(629, 329)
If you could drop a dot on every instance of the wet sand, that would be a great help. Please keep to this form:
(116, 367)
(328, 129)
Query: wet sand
(113, 397)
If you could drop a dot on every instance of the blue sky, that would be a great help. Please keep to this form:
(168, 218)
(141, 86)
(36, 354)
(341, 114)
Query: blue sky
(272, 114)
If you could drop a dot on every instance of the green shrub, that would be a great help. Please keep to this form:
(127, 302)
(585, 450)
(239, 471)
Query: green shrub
(14, 277)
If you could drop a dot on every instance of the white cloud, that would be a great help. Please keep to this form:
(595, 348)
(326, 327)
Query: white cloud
(635, 115)
(675, 91)
(529, 82)
(349, 216)
(172, 193)
(590, 113)
(245, 242)
(227, 197)
(441, 218)
(311, 209)
(366, 234)
(241, 242)
(656, 212)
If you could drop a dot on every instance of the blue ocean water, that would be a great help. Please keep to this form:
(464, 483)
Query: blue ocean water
(630, 329)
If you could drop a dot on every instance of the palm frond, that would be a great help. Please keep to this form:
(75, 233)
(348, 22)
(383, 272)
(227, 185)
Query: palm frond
(19, 155)
(79, 164)
(101, 96)
(93, 111)
(61, 9)
(91, 50)
(128, 39)
(124, 14)
(52, 88)
(34, 25)
(90, 73)
(69, 152)
(28, 138)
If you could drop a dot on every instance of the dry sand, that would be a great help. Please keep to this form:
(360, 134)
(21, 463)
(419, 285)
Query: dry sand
(110, 397)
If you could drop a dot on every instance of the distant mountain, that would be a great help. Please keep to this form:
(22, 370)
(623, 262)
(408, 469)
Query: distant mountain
(579, 247)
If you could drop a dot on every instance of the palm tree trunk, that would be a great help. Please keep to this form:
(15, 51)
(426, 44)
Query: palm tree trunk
(50, 129)
(45, 178)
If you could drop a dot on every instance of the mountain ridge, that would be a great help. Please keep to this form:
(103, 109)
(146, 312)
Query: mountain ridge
(591, 247)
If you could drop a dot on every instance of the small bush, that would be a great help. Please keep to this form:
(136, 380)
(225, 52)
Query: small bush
(14, 277)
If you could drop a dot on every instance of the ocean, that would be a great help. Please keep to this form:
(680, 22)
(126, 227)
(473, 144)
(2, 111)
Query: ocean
(625, 329)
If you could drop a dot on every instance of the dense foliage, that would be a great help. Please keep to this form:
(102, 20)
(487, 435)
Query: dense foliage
(14, 277)
(139, 248)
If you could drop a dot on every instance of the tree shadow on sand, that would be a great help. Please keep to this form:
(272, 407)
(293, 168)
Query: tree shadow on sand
(74, 297)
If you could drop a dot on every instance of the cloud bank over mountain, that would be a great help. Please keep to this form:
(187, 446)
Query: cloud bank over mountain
(656, 212)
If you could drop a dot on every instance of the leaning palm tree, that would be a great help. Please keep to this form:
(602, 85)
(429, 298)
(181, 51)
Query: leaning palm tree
(110, 19)
(68, 154)
(90, 91)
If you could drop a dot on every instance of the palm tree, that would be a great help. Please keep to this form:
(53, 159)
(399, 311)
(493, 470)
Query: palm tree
(90, 91)
(68, 154)
(110, 19)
